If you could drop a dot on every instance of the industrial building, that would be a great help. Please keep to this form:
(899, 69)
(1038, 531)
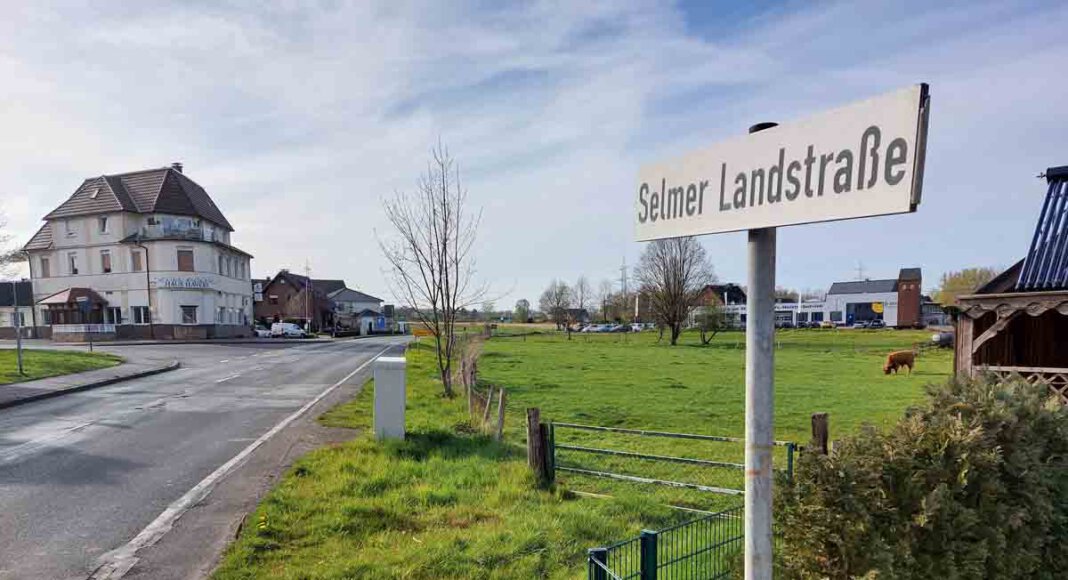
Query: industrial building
(895, 301)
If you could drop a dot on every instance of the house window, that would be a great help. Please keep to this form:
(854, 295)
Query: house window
(103, 221)
(45, 268)
(105, 261)
(185, 261)
(220, 264)
(46, 317)
(72, 261)
(18, 319)
(220, 316)
(273, 299)
(189, 315)
(114, 315)
(836, 316)
(68, 228)
(140, 315)
(135, 261)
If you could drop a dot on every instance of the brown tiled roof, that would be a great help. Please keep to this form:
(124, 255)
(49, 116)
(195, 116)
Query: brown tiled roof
(163, 190)
(42, 240)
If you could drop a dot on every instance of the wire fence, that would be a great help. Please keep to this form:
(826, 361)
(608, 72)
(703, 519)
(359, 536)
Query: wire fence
(706, 548)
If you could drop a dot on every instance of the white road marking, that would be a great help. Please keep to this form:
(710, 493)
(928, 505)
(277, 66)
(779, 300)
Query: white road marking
(223, 380)
(116, 563)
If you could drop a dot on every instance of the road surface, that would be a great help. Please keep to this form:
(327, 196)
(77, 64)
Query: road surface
(84, 474)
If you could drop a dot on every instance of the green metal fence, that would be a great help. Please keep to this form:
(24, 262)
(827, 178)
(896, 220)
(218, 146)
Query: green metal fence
(730, 480)
(702, 549)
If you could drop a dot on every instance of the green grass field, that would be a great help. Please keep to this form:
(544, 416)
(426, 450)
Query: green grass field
(39, 364)
(451, 503)
(631, 381)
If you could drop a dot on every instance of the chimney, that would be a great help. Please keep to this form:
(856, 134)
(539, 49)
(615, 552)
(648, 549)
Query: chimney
(177, 166)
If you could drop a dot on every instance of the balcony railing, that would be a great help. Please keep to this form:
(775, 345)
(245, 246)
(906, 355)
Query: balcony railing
(83, 328)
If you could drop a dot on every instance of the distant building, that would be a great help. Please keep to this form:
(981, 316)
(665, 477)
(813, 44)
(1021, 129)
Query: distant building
(355, 310)
(138, 255)
(289, 297)
(895, 301)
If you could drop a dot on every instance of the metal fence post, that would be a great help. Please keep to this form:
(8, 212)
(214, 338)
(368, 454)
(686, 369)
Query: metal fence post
(598, 555)
(790, 448)
(648, 555)
(552, 453)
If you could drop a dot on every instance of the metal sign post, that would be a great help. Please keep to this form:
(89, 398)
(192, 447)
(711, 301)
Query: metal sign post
(862, 160)
(85, 306)
(18, 326)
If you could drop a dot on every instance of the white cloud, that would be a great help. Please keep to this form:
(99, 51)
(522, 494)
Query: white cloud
(299, 118)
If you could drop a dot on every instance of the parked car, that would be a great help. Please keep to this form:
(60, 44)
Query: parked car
(287, 330)
(261, 331)
(637, 327)
(943, 339)
(876, 324)
(826, 324)
(860, 324)
(622, 328)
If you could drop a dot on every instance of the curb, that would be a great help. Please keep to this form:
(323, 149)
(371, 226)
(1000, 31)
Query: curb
(93, 385)
(221, 342)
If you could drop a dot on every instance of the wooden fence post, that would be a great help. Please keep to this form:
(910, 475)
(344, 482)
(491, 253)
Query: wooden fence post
(489, 403)
(546, 462)
(500, 416)
(821, 432)
(535, 444)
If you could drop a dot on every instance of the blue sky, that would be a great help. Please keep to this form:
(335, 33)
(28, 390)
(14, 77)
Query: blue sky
(300, 117)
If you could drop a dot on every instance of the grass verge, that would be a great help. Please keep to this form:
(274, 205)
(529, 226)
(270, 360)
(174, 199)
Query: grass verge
(39, 364)
(446, 503)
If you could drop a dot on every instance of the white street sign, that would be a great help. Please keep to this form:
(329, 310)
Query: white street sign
(864, 159)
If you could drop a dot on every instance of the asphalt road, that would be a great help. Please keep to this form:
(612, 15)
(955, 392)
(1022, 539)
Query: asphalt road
(83, 474)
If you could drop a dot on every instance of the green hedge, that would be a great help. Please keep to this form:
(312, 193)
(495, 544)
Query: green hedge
(974, 484)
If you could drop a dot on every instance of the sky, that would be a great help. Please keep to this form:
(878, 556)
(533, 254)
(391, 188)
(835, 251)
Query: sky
(299, 118)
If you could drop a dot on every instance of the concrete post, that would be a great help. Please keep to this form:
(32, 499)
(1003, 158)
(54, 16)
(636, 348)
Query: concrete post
(759, 403)
(389, 397)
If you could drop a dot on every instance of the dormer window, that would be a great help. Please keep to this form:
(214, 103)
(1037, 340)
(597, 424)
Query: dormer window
(94, 192)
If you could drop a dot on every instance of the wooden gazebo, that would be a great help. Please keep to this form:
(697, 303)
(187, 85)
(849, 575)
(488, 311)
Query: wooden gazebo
(1018, 323)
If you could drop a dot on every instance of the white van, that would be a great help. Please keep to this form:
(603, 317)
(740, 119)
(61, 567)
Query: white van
(287, 330)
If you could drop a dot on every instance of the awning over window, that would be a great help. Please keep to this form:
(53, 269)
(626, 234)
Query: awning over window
(1046, 264)
(70, 296)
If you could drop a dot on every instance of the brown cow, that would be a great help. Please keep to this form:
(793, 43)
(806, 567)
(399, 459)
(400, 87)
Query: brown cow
(901, 358)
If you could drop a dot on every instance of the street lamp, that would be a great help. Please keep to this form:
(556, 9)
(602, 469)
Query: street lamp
(18, 325)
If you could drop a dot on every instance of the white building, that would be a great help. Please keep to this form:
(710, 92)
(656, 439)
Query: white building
(894, 301)
(142, 254)
(356, 310)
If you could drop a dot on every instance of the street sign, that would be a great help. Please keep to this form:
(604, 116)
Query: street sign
(864, 159)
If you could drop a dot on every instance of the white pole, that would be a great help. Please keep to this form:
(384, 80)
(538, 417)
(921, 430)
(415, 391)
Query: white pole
(759, 403)
(759, 399)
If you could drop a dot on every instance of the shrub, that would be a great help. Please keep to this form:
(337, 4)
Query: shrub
(974, 484)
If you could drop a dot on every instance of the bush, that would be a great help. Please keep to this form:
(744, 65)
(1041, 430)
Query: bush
(972, 485)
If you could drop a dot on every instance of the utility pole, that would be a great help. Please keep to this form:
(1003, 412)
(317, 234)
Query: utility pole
(18, 325)
(860, 270)
(307, 291)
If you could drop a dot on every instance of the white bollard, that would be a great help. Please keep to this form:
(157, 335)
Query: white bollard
(389, 397)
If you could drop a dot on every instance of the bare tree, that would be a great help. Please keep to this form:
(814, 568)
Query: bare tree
(431, 259)
(581, 293)
(555, 302)
(710, 319)
(8, 256)
(604, 296)
(673, 273)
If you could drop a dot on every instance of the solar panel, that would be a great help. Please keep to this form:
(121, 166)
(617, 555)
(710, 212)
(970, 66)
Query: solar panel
(1046, 264)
